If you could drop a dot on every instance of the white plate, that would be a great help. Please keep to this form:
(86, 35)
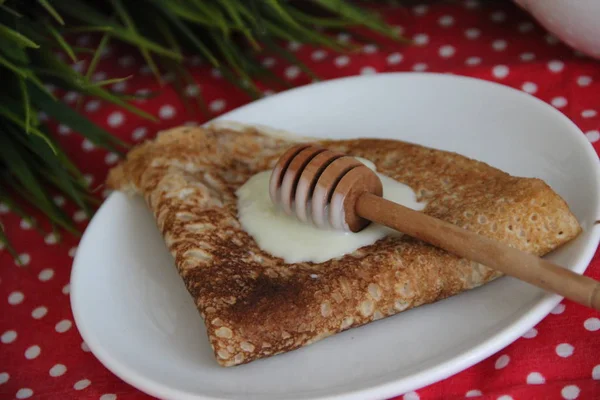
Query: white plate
(133, 311)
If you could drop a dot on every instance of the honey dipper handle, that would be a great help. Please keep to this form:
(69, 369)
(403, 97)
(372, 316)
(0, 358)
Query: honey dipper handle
(474, 247)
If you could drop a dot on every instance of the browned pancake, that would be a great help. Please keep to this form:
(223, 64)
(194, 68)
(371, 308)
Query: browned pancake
(254, 305)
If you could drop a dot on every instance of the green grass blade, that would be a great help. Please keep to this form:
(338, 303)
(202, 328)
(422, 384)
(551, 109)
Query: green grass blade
(26, 103)
(8, 245)
(74, 120)
(61, 42)
(52, 11)
(17, 37)
(96, 57)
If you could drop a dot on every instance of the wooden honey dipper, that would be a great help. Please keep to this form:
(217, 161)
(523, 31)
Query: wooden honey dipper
(334, 190)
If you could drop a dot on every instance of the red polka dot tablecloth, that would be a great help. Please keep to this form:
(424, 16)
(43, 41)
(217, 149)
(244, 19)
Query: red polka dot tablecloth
(43, 356)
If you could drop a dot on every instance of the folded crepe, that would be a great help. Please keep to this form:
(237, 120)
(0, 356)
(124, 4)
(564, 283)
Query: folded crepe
(254, 304)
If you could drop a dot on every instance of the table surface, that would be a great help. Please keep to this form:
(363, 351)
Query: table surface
(42, 354)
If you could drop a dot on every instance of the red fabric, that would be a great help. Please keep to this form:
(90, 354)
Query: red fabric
(494, 41)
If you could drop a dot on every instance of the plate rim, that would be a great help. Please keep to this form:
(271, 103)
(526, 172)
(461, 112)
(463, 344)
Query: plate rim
(494, 343)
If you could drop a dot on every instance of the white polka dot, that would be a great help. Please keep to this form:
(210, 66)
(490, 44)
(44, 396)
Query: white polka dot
(471, 4)
(70, 97)
(8, 336)
(421, 39)
(446, 20)
(119, 86)
(499, 45)
(584, 80)
(269, 62)
(592, 324)
(368, 71)
(318, 55)
(79, 216)
(570, 392)
(498, 16)
(66, 289)
(419, 67)
(63, 130)
(217, 105)
(88, 178)
(57, 370)
(473, 393)
(369, 49)
(505, 397)
(500, 71)
(42, 116)
(559, 102)
(4, 208)
(51, 238)
(446, 51)
(83, 40)
(24, 393)
(473, 61)
(139, 133)
(126, 61)
(195, 61)
(32, 352)
(63, 326)
(99, 76)
(24, 259)
(82, 384)
(564, 350)
(39, 312)
(85, 347)
(551, 39)
(398, 29)
(111, 158)
(72, 251)
(530, 333)
(411, 396)
(192, 90)
(395, 58)
(421, 9)
(166, 112)
(525, 27)
(502, 361)
(145, 70)
(472, 33)
(556, 65)
(343, 37)
(292, 72)
(529, 87)
(527, 57)
(4, 377)
(342, 61)
(108, 396)
(294, 46)
(116, 119)
(593, 136)
(596, 372)
(46, 274)
(106, 51)
(59, 201)
(92, 105)
(87, 145)
(15, 298)
(589, 113)
(216, 73)
(535, 378)
(25, 224)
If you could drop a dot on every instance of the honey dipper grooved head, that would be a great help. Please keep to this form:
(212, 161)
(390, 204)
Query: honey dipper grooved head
(322, 186)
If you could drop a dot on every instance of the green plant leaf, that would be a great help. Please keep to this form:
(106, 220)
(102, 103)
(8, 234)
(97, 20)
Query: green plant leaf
(26, 103)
